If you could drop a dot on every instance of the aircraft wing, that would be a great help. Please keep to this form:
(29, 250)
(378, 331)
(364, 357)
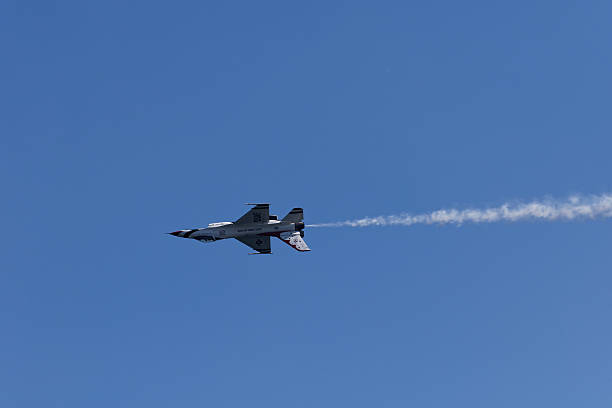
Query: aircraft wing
(295, 240)
(259, 243)
(258, 214)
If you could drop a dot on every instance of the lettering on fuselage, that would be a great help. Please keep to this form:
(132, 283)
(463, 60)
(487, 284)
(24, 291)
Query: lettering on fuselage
(249, 229)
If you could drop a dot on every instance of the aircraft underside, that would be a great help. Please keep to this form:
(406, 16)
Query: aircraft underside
(254, 229)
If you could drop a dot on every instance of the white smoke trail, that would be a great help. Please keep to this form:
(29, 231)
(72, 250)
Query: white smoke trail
(575, 207)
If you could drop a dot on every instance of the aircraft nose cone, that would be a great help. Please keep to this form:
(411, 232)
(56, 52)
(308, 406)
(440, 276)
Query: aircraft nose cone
(175, 233)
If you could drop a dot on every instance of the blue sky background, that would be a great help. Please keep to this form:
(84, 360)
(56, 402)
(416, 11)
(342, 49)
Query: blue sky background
(125, 120)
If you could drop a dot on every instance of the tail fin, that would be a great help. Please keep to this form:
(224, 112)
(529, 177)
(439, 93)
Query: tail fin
(295, 215)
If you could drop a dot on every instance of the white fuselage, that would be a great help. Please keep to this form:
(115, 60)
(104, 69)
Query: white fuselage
(224, 230)
(255, 229)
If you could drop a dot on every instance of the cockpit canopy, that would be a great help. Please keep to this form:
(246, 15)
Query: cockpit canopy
(219, 224)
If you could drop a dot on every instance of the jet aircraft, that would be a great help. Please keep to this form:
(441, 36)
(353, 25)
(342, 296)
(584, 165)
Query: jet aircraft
(255, 229)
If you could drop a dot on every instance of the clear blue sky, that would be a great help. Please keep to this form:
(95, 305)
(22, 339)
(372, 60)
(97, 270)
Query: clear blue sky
(125, 120)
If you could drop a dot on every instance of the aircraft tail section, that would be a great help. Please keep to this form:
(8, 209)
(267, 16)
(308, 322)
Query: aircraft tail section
(295, 215)
(294, 240)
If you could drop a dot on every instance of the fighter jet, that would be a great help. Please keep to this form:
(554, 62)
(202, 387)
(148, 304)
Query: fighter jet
(255, 229)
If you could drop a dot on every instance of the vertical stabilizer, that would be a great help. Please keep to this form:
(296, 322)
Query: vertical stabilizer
(295, 215)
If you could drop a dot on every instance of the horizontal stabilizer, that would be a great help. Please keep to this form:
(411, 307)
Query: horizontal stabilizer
(295, 241)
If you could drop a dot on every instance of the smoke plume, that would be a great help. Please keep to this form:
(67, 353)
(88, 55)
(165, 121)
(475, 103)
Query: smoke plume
(576, 207)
